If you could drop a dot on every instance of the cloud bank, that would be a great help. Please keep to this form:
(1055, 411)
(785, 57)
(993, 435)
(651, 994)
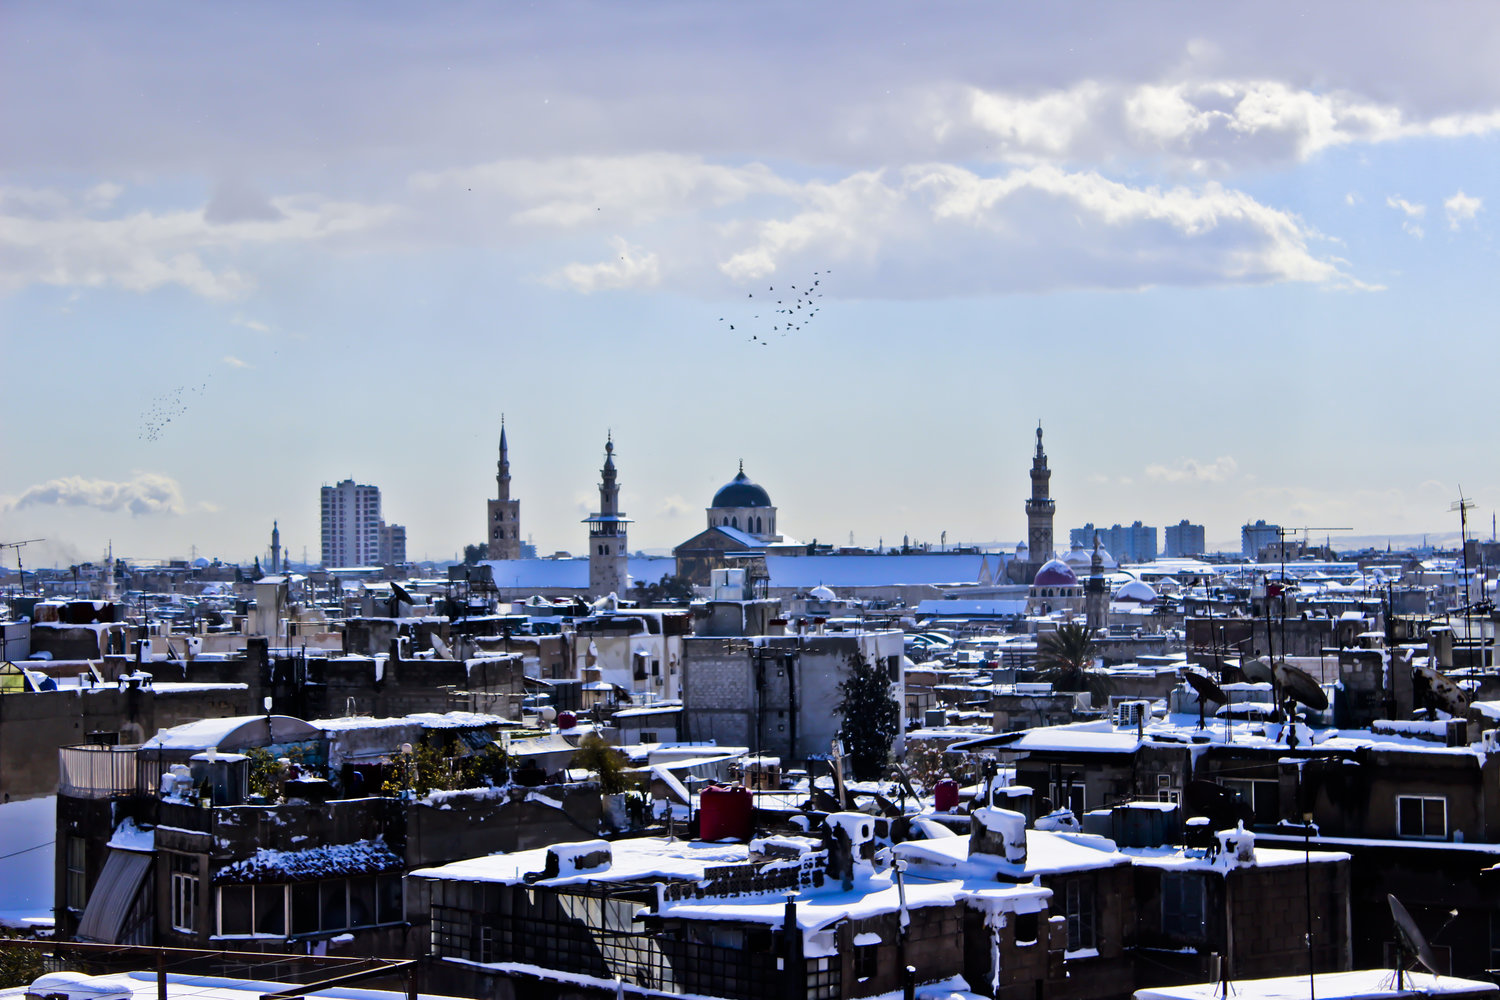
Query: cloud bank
(143, 494)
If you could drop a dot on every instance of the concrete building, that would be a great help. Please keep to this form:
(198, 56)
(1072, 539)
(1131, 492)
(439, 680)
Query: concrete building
(504, 523)
(392, 544)
(778, 694)
(1254, 537)
(608, 544)
(1184, 539)
(1133, 543)
(351, 524)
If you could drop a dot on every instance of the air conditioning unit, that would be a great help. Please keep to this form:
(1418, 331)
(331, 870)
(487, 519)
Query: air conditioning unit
(1130, 714)
(1490, 740)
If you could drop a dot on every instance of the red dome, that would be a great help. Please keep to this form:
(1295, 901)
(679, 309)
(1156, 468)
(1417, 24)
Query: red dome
(1055, 574)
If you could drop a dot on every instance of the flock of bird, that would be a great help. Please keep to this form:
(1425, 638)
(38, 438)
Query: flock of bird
(163, 408)
(792, 311)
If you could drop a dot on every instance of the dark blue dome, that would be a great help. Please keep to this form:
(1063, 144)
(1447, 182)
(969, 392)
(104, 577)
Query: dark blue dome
(741, 492)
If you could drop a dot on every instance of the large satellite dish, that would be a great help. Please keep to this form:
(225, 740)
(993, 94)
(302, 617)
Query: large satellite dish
(1258, 671)
(1449, 696)
(1413, 941)
(401, 594)
(1207, 690)
(1298, 685)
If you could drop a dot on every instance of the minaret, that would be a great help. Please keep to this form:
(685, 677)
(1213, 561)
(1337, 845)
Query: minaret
(1095, 594)
(608, 562)
(504, 535)
(275, 546)
(1040, 508)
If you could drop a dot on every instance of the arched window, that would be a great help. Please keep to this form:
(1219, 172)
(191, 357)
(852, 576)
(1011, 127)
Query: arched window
(757, 526)
(735, 521)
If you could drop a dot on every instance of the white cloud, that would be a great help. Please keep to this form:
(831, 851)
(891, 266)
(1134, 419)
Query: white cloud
(1199, 123)
(1461, 208)
(1411, 211)
(234, 362)
(49, 238)
(632, 268)
(603, 190)
(1188, 470)
(250, 324)
(144, 493)
(940, 230)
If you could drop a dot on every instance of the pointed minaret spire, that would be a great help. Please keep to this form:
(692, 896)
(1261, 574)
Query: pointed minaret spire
(503, 530)
(502, 468)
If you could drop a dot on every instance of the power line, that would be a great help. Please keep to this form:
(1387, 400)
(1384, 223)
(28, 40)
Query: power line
(27, 850)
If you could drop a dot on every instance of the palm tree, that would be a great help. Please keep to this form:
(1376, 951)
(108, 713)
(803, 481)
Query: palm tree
(1064, 658)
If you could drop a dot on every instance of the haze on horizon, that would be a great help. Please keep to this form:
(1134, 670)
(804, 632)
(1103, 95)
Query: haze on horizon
(1239, 261)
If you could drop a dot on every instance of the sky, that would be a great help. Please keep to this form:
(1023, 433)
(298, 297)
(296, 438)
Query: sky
(1238, 260)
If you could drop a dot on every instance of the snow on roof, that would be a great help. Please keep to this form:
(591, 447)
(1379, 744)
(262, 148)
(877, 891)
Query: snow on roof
(363, 857)
(1361, 983)
(181, 986)
(637, 858)
(569, 574)
(207, 734)
(750, 541)
(806, 572)
(1047, 853)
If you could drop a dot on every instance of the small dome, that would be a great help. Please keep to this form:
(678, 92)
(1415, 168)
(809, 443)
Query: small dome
(1135, 590)
(1078, 556)
(1055, 574)
(822, 593)
(741, 492)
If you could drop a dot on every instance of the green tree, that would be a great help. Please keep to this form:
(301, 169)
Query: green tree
(1065, 658)
(19, 966)
(609, 764)
(872, 717)
(670, 589)
(474, 553)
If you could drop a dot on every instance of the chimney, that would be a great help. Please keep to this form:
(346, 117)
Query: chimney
(851, 846)
(999, 833)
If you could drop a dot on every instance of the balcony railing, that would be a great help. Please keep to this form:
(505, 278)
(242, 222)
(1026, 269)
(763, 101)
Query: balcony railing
(102, 772)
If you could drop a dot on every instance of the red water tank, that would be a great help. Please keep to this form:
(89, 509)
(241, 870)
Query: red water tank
(566, 720)
(945, 796)
(724, 813)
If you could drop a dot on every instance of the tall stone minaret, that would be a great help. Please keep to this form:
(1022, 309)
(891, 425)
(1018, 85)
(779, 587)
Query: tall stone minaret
(275, 548)
(1040, 508)
(504, 540)
(608, 561)
(1095, 595)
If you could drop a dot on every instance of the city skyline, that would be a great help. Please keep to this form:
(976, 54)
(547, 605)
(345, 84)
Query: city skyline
(1239, 262)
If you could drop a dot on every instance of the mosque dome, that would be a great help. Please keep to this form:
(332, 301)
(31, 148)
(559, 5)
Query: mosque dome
(1055, 573)
(741, 492)
(822, 593)
(1135, 590)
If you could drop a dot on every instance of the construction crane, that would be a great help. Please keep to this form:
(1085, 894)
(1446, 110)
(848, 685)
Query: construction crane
(18, 546)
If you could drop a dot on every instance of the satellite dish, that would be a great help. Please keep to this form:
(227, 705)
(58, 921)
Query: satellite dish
(548, 713)
(1449, 696)
(401, 594)
(1258, 671)
(1412, 938)
(1207, 690)
(443, 652)
(1299, 685)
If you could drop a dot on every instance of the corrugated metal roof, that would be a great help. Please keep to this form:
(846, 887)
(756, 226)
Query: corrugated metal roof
(110, 902)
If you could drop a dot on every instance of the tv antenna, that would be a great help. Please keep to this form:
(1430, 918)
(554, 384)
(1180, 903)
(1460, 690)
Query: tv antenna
(18, 546)
(1463, 505)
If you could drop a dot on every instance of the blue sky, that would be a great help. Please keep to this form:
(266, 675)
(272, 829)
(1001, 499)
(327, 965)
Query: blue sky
(1239, 261)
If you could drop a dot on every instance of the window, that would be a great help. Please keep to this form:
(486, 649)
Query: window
(1182, 906)
(1026, 927)
(184, 870)
(1262, 795)
(1079, 901)
(648, 736)
(1165, 791)
(865, 960)
(77, 887)
(1424, 816)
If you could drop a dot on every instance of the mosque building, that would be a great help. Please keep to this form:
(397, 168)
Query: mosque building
(741, 523)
